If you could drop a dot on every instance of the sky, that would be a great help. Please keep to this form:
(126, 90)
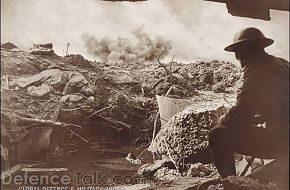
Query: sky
(195, 29)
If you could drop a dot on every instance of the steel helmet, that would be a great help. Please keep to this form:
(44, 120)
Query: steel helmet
(249, 35)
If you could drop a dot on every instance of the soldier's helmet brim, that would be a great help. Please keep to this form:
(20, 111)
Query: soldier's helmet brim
(262, 42)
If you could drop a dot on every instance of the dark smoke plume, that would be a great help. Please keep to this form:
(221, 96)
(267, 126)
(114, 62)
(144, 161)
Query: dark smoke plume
(139, 49)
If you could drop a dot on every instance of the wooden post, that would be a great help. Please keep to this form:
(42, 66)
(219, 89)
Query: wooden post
(67, 49)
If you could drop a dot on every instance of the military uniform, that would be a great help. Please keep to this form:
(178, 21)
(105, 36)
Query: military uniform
(262, 98)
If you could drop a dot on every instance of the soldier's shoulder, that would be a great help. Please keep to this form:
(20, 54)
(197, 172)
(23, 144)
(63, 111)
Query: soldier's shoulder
(281, 59)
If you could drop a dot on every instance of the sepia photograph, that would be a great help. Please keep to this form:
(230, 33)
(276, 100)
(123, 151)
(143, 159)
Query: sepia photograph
(145, 94)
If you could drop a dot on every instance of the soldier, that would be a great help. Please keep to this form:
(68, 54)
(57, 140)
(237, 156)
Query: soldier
(264, 95)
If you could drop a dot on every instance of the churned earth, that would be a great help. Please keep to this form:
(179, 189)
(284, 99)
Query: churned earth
(99, 131)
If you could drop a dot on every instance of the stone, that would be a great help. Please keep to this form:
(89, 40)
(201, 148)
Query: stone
(186, 133)
(198, 170)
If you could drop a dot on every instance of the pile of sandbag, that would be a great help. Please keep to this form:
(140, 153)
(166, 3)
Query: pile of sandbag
(42, 49)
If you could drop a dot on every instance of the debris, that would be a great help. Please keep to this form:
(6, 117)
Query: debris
(115, 99)
(99, 111)
(116, 123)
(131, 158)
(198, 170)
(4, 153)
(49, 123)
(166, 174)
(71, 98)
(150, 169)
(167, 72)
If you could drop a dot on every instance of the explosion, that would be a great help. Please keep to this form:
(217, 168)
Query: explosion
(139, 49)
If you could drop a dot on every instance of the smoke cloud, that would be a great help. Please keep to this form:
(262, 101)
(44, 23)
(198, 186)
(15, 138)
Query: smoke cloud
(140, 48)
(197, 29)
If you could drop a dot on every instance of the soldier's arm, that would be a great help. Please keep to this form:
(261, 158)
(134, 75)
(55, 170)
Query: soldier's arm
(246, 99)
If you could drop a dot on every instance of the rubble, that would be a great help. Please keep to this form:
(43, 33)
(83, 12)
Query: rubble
(166, 174)
(131, 158)
(198, 170)
(118, 100)
(150, 169)
(164, 169)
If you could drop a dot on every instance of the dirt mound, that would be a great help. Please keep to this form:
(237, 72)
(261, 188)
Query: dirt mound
(77, 60)
(8, 45)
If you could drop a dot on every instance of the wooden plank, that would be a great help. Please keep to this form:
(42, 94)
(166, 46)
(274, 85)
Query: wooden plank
(25, 169)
